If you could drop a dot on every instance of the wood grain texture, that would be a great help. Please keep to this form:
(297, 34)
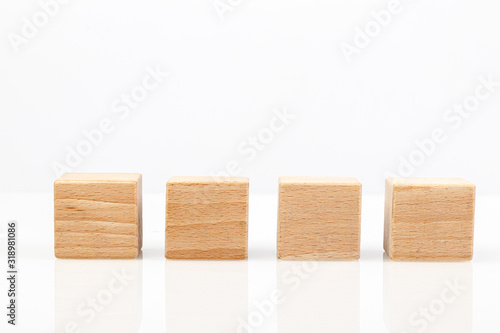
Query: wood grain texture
(98, 216)
(207, 218)
(429, 219)
(319, 218)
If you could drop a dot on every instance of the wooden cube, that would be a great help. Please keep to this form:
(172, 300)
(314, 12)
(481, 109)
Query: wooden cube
(98, 216)
(429, 219)
(319, 218)
(207, 218)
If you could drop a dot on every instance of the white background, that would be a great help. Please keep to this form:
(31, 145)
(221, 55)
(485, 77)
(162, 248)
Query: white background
(228, 74)
(226, 77)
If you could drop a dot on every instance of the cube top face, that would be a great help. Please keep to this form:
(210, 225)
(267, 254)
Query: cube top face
(208, 180)
(319, 218)
(422, 181)
(98, 216)
(429, 219)
(319, 181)
(207, 218)
(100, 177)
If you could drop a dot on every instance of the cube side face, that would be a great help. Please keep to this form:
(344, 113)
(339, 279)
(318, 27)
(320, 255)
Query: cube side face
(433, 223)
(207, 220)
(388, 214)
(97, 220)
(319, 222)
(138, 208)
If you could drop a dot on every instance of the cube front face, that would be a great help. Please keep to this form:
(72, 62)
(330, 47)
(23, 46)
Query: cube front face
(98, 216)
(207, 218)
(429, 219)
(319, 218)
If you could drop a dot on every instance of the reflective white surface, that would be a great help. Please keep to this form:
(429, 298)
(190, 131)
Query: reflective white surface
(428, 296)
(98, 295)
(261, 294)
(204, 296)
(319, 296)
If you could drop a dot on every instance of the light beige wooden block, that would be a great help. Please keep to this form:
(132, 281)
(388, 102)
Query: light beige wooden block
(207, 218)
(98, 215)
(429, 219)
(319, 218)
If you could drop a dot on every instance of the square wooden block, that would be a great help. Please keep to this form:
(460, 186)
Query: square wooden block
(429, 219)
(207, 218)
(98, 215)
(319, 218)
